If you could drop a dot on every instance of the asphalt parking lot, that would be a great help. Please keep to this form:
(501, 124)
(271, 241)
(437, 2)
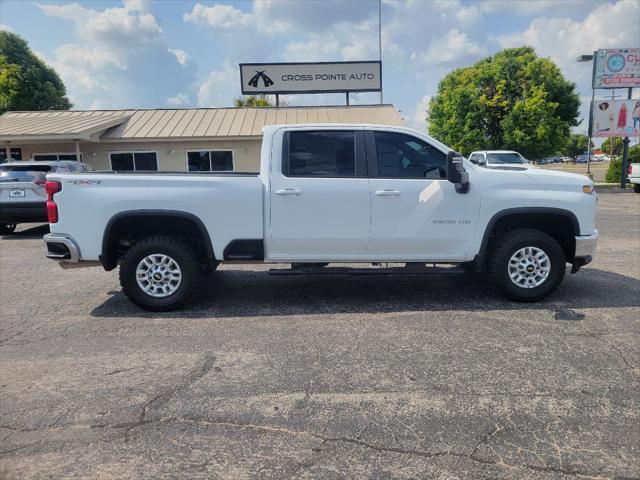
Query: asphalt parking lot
(322, 377)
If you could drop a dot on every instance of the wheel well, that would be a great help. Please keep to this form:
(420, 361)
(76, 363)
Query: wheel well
(563, 227)
(124, 229)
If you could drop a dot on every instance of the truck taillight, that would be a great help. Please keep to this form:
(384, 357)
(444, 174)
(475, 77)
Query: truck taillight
(52, 209)
(629, 168)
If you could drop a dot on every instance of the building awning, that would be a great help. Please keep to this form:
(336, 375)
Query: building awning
(180, 124)
(58, 125)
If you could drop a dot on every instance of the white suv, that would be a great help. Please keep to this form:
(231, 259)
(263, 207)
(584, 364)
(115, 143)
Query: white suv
(498, 158)
(22, 195)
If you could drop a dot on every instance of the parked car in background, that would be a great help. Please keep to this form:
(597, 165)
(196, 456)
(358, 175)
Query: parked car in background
(633, 175)
(548, 160)
(582, 159)
(22, 194)
(327, 194)
(498, 158)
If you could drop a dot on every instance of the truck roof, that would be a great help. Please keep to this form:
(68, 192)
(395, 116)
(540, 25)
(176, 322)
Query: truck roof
(269, 130)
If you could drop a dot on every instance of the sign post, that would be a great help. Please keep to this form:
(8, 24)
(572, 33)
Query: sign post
(617, 68)
(319, 77)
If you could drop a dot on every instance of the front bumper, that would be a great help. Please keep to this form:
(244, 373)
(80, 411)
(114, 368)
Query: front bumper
(586, 248)
(61, 247)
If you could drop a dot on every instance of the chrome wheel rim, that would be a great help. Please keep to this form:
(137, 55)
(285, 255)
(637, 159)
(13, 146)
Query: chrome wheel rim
(158, 275)
(529, 267)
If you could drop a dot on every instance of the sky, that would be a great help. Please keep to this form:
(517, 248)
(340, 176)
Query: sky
(170, 53)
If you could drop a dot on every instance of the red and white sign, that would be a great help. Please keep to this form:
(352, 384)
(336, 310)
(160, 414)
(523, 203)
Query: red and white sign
(617, 68)
(616, 118)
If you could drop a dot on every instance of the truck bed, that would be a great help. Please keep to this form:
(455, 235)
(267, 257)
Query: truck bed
(228, 204)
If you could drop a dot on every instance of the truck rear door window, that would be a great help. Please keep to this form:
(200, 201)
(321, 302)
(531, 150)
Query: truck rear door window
(321, 154)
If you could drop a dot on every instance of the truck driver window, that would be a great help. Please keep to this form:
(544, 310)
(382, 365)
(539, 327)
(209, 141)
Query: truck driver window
(322, 154)
(404, 156)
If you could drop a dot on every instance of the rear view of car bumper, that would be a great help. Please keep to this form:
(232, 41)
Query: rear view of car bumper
(61, 248)
(23, 212)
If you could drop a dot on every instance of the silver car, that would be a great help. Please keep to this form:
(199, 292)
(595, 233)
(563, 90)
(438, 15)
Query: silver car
(22, 195)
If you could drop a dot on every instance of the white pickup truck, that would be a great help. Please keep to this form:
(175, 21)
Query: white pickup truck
(633, 175)
(326, 194)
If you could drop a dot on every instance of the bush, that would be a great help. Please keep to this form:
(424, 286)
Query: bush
(615, 171)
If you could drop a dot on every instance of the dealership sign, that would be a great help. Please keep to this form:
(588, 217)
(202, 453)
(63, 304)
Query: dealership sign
(617, 68)
(616, 118)
(320, 77)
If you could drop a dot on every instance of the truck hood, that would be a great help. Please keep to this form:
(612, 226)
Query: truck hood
(557, 178)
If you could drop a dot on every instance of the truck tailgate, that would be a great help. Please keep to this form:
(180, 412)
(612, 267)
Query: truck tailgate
(229, 206)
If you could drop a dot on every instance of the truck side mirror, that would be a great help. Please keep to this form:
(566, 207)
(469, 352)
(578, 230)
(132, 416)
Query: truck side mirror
(456, 173)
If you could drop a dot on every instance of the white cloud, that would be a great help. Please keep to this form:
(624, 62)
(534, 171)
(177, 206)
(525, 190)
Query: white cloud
(223, 17)
(219, 88)
(418, 120)
(454, 47)
(126, 27)
(531, 7)
(469, 14)
(304, 16)
(180, 100)
(116, 57)
(181, 56)
(137, 5)
(6, 28)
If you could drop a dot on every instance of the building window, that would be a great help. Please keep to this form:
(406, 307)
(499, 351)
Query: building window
(133, 161)
(39, 157)
(210, 161)
(16, 154)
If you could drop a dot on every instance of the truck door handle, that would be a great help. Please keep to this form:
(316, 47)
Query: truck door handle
(387, 193)
(288, 192)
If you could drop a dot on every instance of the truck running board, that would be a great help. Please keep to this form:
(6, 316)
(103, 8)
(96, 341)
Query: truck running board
(410, 270)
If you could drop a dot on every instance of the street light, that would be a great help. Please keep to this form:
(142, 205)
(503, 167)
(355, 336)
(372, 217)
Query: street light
(589, 58)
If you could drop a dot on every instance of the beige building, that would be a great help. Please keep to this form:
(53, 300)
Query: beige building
(165, 139)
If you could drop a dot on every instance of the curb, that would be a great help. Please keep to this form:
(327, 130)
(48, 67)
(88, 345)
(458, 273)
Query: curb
(610, 188)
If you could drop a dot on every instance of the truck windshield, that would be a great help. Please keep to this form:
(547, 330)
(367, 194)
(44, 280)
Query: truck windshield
(30, 173)
(504, 158)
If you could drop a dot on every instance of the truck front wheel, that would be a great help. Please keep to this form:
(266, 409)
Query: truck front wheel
(526, 265)
(160, 273)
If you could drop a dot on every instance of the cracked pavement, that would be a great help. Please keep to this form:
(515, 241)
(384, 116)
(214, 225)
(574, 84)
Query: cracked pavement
(322, 377)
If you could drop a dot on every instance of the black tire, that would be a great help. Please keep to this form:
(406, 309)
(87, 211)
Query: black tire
(7, 228)
(636, 187)
(511, 242)
(183, 255)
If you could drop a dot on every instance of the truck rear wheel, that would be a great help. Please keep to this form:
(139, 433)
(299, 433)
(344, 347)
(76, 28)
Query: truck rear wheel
(160, 273)
(636, 187)
(526, 265)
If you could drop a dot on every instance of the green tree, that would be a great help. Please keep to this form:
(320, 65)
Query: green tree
(26, 82)
(576, 145)
(511, 100)
(253, 101)
(617, 146)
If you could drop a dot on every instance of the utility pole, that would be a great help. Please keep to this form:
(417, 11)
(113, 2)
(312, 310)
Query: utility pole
(380, 45)
(625, 154)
